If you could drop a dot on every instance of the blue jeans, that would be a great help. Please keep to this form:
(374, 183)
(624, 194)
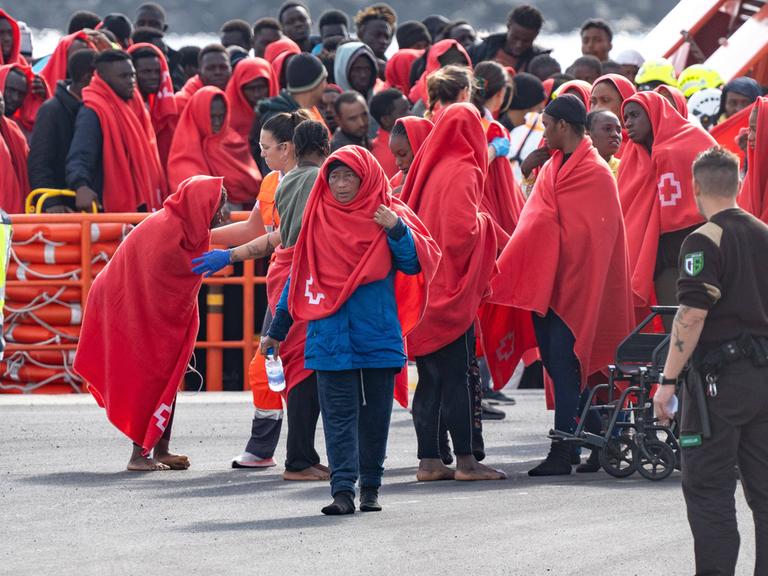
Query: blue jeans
(356, 406)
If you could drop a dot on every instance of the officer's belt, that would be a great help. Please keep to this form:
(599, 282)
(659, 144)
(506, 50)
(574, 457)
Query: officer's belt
(754, 348)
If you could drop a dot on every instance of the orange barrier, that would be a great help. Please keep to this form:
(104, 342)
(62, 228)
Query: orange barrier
(54, 260)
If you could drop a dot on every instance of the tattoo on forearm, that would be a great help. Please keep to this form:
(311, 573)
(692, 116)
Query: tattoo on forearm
(683, 321)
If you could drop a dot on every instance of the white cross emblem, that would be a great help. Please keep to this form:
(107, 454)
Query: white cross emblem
(313, 298)
(506, 347)
(670, 190)
(162, 420)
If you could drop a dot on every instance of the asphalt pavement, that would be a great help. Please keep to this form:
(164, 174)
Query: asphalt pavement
(67, 507)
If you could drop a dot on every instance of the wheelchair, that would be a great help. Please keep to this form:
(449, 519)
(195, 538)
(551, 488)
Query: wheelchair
(631, 440)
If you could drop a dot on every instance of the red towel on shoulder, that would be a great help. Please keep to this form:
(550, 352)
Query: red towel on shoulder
(141, 320)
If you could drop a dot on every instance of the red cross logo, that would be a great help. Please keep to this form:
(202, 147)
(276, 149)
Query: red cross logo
(670, 190)
(506, 347)
(162, 414)
(313, 298)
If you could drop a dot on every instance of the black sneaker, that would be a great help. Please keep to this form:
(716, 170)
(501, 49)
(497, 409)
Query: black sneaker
(498, 397)
(557, 462)
(343, 503)
(369, 500)
(491, 413)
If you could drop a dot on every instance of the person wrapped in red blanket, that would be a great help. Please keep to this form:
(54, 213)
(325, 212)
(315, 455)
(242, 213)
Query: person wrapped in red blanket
(754, 192)
(567, 263)
(360, 276)
(141, 321)
(14, 182)
(405, 140)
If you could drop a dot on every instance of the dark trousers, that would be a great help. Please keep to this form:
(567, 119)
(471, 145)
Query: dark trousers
(556, 343)
(356, 406)
(265, 434)
(739, 420)
(303, 412)
(449, 391)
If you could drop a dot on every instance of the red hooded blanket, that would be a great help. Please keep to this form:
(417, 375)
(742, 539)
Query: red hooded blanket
(445, 187)
(417, 129)
(569, 254)
(655, 189)
(15, 57)
(727, 131)
(56, 67)
(141, 319)
(162, 105)
(197, 150)
(14, 183)
(754, 192)
(242, 114)
(27, 112)
(132, 172)
(502, 197)
(325, 277)
(680, 103)
(398, 70)
(419, 90)
(626, 89)
(184, 95)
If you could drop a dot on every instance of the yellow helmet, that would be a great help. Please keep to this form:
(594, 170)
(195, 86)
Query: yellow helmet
(698, 77)
(658, 70)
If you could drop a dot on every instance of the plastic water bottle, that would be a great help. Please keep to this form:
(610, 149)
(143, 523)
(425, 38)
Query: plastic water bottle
(275, 375)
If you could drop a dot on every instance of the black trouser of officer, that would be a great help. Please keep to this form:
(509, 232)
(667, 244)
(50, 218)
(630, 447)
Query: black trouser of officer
(739, 420)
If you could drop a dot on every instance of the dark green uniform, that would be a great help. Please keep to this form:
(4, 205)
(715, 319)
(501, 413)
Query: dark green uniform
(724, 269)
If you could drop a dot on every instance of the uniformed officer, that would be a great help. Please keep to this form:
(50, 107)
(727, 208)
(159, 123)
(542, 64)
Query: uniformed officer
(722, 324)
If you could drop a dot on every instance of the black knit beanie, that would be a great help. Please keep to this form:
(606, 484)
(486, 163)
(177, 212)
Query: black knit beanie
(304, 73)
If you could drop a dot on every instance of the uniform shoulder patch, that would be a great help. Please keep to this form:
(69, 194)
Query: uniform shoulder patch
(693, 263)
(711, 231)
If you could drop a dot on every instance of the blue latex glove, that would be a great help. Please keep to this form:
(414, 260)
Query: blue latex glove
(501, 146)
(211, 262)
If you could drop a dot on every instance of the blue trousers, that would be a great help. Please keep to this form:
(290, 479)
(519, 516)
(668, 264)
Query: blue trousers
(356, 406)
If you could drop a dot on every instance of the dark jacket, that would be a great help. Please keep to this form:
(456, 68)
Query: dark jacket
(84, 161)
(341, 139)
(178, 78)
(365, 331)
(51, 139)
(488, 48)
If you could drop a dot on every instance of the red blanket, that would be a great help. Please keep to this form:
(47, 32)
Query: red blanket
(754, 192)
(141, 319)
(27, 112)
(655, 189)
(197, 150)
(626, 89)
(502, 197)
(419, 90)
(15, 57)
(56, 67)
(246, 71)
(162, 105)
(579, 88)
(398, 70)
(132, 172)
(382, 153)
(325, 277)
(416, 129)
(569, 254)
(274, 49)
(445, 187)
(14, 183)
(679, 101)
(726, 132)
(292, 348)
(183, 96)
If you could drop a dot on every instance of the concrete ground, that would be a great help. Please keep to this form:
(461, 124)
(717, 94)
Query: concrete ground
(67, 506)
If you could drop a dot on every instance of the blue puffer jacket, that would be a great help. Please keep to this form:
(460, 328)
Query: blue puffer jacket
(365, 332)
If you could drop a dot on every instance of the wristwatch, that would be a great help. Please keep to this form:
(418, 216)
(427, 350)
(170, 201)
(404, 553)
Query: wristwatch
(664, 380)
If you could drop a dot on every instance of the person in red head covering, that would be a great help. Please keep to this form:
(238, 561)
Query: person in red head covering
(56, 67)
(441, 54)
(205, 144)
(14, 183)
(579, 88)
(215, 70)
(675, 97)
(387, 107)
(754, 191)
(608, 93)
(10, 41)
(147, 295)
(398, 70)
(251, 82)
(445, 186)
(24, 93)
(407, 136)
(278, 54)
(360, 249)
(656, 193)
(113, 158)
(153, 79)
(567, 263)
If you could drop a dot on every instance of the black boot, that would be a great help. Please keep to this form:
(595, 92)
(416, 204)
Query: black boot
(592, 464)
(557, 463)
(343, 503)
(369, 500)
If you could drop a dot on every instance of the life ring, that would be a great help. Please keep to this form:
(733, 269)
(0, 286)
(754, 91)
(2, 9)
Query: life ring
(69, 233)
(39, 253)
(24, 334)
(11, 387)
(29, 293)
(19, 372)
(52, 357)
(52, 314)
(49, 271)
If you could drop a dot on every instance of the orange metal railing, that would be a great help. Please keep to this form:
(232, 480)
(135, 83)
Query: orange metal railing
(214, 344)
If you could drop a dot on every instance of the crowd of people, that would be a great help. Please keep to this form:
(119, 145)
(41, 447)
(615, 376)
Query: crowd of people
(461, 201)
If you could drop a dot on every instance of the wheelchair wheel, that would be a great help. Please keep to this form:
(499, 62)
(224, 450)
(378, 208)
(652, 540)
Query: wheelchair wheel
(655, 459)
(618, 457)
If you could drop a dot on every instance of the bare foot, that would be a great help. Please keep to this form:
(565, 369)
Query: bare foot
(322, 468)
(433, 470)
(145, 464)
(311, 474)
(476, 471)
(173, 461)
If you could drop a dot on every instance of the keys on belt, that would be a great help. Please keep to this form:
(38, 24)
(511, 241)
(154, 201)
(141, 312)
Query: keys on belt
(711, 385)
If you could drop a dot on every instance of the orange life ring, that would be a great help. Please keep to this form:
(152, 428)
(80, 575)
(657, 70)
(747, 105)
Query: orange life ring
(52, 357)
(30, 373)
(66, 254)
(53, 314)
(49, 271)
(47, 389)
(24, 334)
(29, 293)
(70, 233)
